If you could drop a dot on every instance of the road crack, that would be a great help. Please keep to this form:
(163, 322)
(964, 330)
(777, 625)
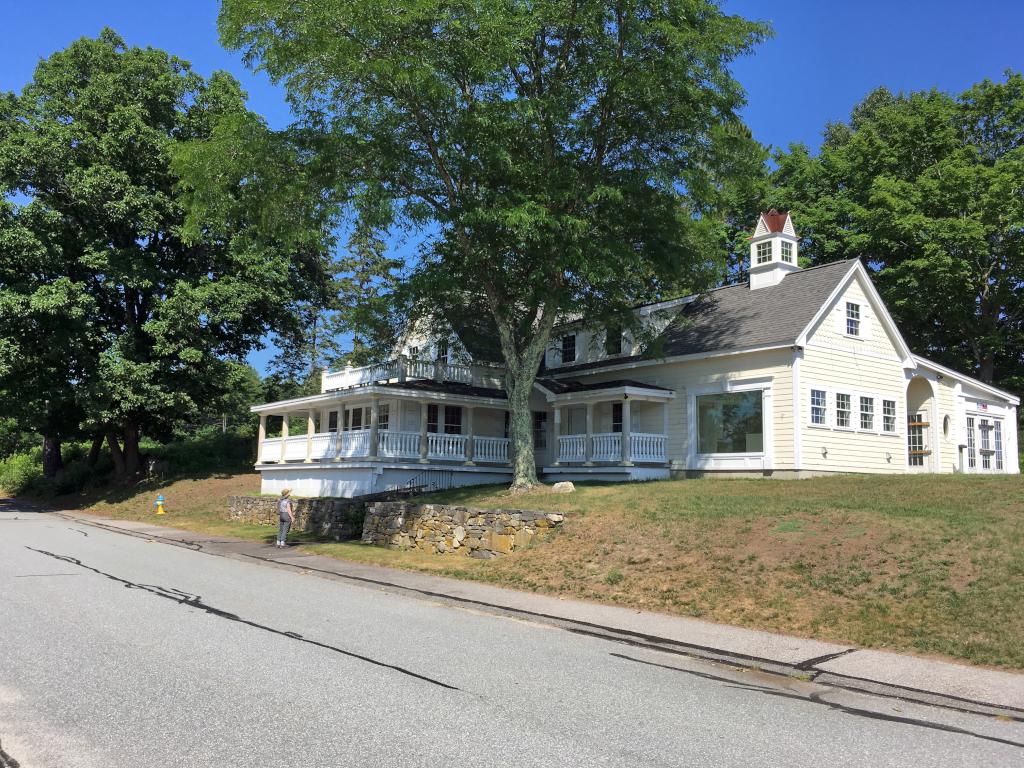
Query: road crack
(195, 601)
(818, 699)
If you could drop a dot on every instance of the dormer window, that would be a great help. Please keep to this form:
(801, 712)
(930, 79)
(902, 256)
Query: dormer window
(852, 319)
(787, 252)
(442, 351)
(764, 252)
(569, 348)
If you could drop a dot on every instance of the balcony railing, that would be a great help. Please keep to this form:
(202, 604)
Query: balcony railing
(403, 369)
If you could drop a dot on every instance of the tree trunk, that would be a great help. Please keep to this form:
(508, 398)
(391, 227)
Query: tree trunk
(519, 384)
(116, 453)
(132, 458)
(987, 366)
(53, 462)
(94, 450)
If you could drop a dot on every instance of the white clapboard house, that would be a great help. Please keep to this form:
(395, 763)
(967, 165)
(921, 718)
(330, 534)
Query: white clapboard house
(796, 372)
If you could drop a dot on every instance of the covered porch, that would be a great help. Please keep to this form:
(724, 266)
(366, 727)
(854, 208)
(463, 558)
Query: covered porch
(623, 423)
(421, 422)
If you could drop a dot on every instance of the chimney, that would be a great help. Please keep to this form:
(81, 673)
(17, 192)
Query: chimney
(773, 249)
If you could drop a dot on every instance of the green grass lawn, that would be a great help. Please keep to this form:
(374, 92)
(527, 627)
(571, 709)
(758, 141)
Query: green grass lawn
(932, 564)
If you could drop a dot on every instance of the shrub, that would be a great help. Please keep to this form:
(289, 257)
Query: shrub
(20, 472)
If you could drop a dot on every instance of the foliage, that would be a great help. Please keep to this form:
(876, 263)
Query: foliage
(123, 315)
(566, 158)
(928, 189)
(20, 472)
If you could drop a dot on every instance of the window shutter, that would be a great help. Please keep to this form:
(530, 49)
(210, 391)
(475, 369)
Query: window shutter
(840, 316)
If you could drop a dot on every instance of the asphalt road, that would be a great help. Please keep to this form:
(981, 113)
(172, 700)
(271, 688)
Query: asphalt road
(115, 651)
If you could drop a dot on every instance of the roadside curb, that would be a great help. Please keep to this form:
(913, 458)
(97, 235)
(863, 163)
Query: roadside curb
(808, 669)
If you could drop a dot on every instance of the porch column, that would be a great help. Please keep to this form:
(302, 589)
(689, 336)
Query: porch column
(627, 454)
(325, 420)
(339, 438)
(423, 432)
(310, 431)
(374, 421)
(664, 426)
(556, 433)
(588, 443)
(470, 447)
(402, 367)
(260, 437)
(284, 434)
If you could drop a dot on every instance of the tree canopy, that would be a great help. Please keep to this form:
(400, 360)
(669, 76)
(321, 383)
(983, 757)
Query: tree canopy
(562, 156)
(928, 189)
(111, 308)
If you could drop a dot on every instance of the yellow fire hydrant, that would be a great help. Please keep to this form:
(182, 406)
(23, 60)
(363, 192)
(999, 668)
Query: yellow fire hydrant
(160, 505)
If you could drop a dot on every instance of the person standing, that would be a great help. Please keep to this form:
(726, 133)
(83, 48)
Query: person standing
(285, 516)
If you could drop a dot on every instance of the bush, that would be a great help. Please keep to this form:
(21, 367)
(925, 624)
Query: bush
(21, 472)
(209, 450)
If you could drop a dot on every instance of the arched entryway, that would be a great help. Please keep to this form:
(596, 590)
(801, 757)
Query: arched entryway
(920, 426)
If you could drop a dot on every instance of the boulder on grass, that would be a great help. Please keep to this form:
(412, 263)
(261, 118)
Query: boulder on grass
(563, 487)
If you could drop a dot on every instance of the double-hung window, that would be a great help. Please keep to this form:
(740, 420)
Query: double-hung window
(613, 341)
(852, 318)
(888, 415)
(432, 420)
(453, 420)
(843, 408)
(569, 348)
(787, 252)
(867, 412)
(818, 406)
(540, 425)
(616, 417)
(383, 416)
(764, 253)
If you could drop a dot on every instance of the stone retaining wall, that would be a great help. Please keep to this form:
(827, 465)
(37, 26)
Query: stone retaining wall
(336, 519)
(444, 529)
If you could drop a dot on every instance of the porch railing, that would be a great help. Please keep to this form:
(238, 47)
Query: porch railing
(607, 446)
(446, 447)
(398, 445)
(391, 444)
(648, 447)
(572, 447)
(490, 449)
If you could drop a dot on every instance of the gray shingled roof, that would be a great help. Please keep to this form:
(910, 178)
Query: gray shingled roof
(447, 387)
(735, 317)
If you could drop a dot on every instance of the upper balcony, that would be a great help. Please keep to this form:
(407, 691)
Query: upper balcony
(404, 368)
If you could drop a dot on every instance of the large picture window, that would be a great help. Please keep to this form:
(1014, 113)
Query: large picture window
(730, 422)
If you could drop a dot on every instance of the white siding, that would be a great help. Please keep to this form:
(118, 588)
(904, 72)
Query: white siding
(682, 377)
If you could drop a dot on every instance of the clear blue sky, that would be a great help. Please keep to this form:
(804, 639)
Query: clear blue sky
(824, 58)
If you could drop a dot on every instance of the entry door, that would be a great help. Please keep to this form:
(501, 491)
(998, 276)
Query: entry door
(917, 442)
(990, 444)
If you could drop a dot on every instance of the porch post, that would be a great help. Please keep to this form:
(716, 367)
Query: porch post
(588, 443)
(325, 420)
(284, 434)
(310, 431)
(556, 433)
(664, 426)
(470, 447)
(339, 439)
(260, 437)
(402, 367)
(374, 429)
(423, 431)
(627, 457)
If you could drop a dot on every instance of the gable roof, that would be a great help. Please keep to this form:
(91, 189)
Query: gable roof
(735, 318)
(774, 221)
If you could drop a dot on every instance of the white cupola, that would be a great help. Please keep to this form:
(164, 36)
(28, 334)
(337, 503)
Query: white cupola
(773, 249)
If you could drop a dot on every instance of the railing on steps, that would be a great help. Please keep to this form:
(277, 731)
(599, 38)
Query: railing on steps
(427, 481)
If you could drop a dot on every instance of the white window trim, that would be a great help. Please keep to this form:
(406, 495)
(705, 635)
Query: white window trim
(764, 460)
(831, 421)
(846, 319)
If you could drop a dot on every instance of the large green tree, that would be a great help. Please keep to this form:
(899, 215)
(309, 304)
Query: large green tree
(928, 189)
(564, 157)
(111, 308)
